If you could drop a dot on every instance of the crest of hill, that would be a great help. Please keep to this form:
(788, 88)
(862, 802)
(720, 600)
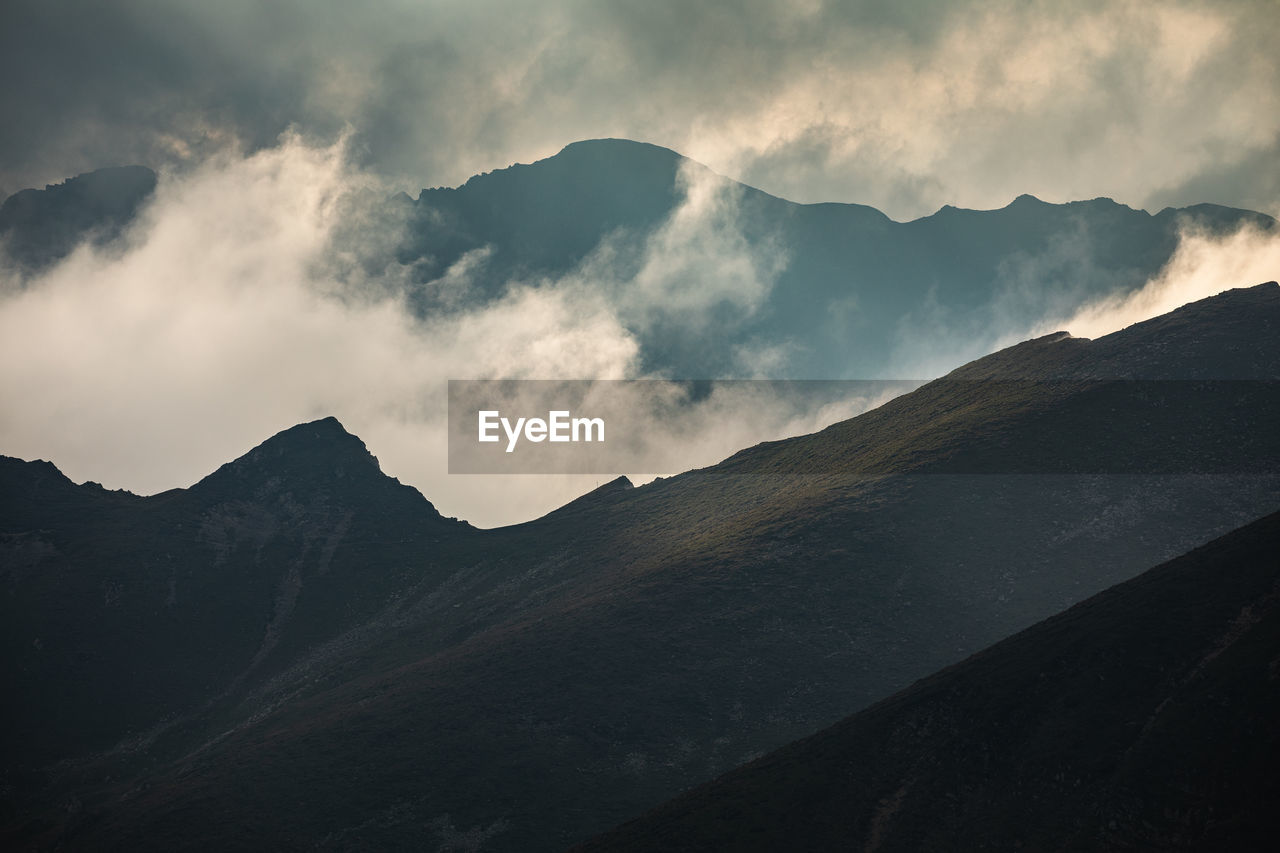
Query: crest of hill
(321, 459)
(1219, 337)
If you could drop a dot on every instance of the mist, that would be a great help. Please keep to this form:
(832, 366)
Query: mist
(245, 298)
(219, 324)
(1202, 266)
(233, 309)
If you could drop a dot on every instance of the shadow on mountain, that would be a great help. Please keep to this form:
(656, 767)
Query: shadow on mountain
(299, 651)
(1145, 718)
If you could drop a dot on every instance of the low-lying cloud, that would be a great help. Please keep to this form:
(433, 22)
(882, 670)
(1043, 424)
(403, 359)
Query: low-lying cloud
(1203, 265)
(237, 306)
(241, 303)
(217, 326)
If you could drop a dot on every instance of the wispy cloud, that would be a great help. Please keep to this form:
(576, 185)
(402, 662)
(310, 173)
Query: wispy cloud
(1203, 265)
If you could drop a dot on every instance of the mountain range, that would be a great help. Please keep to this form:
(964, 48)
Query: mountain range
(714, 279)
(299, 651)
(1145, 718)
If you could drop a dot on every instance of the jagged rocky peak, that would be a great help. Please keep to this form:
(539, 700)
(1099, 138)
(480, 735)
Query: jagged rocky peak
(318, 463)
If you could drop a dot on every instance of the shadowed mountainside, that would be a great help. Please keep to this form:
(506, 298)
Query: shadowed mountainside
(365, 674)
(1146, 718)
(123, 610)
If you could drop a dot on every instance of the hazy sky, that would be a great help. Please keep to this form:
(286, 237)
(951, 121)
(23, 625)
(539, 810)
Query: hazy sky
(903, 104)
(234, 308)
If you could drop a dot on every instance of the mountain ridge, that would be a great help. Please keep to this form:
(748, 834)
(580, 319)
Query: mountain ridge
(1050, 739)
(844, 291)
(637, 644)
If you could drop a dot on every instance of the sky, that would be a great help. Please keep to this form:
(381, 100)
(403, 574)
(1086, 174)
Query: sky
(905, 105)
(230, 311)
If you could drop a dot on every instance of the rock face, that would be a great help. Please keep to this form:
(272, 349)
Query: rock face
(1146, 718)
(300, 652)
(38, 227)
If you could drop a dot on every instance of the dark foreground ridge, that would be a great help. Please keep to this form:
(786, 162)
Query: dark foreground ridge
(299, 652)
(1146, 718)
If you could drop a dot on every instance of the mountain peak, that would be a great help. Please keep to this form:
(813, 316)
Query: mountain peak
(327, 434)
(317, 453)
(317, 461)
(617, 144)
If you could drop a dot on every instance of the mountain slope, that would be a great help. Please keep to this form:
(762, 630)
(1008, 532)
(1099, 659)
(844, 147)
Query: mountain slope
(1147, 717)
(644, 640)
(122, 612)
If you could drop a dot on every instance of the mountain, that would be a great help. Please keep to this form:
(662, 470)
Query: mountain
(123, 611)
(399, 680)
(714, 279)
(39, 227)
(1145, 718)
(857, 292)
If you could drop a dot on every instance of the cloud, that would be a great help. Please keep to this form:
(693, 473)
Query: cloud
(905, 106)
(695, 279)
(1203, 265)
(218, 326)
(1045, 292)
(253, 293)
(246, 298)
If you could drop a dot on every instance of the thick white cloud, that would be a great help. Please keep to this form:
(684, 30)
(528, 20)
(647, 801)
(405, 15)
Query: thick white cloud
(147, 368)
(233, 310)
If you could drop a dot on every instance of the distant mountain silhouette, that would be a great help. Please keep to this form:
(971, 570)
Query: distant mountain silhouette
(1145, 718)
(38, 227)
(856, 295)
(858, 289)
(300, 652)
